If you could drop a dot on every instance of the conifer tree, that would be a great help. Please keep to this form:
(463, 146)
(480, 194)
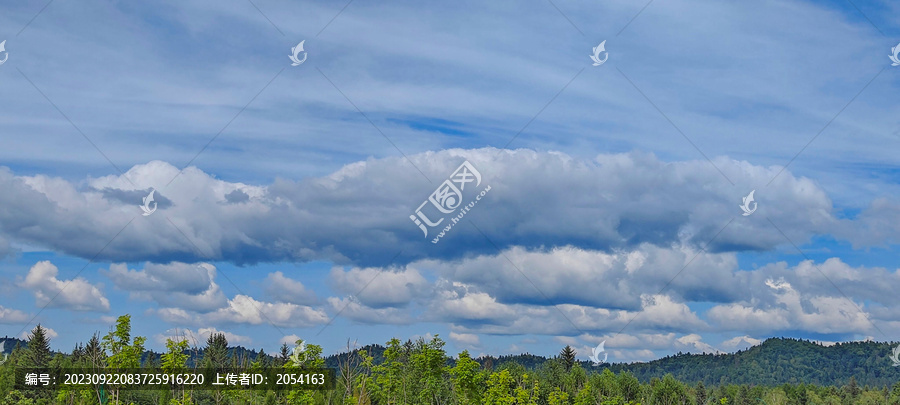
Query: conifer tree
(567, 354)
(38, 352)
(215, 354)
(284, 354)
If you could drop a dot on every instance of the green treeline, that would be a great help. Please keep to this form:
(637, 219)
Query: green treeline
(774, 362)
(422, 372)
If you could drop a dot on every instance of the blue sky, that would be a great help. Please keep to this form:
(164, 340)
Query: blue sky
(609, 206)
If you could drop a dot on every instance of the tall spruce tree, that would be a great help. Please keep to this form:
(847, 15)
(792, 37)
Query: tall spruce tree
(38, 353)
(215, 354)
(567, 355)
(284, 355)
(94, 355)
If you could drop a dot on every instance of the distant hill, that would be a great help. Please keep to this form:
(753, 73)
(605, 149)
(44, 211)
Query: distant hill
(774, 362)
(7, 344)
(777, 361)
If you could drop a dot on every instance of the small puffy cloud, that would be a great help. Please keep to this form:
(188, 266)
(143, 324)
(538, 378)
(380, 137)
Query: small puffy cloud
(76, 294)
(174, 315)
(290, 340)
(465, 339)
(172, 277)
(461, 303)
(176, 284)
(379, 288)
(48, 332)
(9, 315)
(740, 343)
(351, 308)
(285, 289)
(694, 343)
(245, 309)
(198, 338)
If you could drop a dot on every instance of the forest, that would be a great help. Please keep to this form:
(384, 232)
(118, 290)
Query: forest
(779, 371)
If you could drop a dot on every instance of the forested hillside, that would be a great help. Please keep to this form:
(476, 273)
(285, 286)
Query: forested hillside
(776, 361)
(421, 372)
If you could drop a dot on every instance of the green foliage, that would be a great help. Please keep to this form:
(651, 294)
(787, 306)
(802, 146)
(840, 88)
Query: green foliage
(215, 354)
(669, 391)
(421, 373)
(567, 355)
(122, 353)
(558, 397)
(466, 379)
(499, 390)
(305, 356)
(390, 378)
(428, 362)
(38, 352)
(175, 359)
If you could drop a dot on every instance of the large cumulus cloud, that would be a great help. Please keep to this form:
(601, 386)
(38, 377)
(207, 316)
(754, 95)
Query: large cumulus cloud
(360, 214)
(644, 291)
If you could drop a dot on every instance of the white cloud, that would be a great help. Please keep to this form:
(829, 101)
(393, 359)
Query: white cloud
(380, 288)
(539, 200)
(172, 277)
(174, 315)
(198, 338)
(615, 279)
(245, 309)
(107, 319)
(352, 309)
(76, 294)
(793, 310)
(740, 343)
(456, 303)
(48, 332)
(284, 289)
(9, 315)
(175, 284)
(290, 340)
(468, 340)
(694, 343)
